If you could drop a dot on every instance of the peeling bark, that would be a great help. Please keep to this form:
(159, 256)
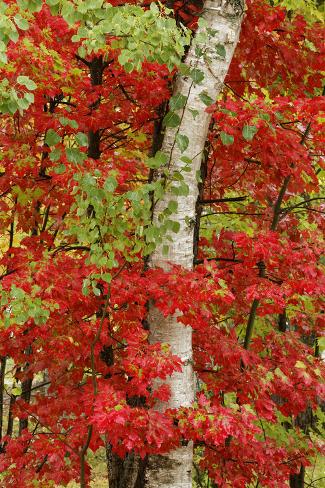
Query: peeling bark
(174, 470)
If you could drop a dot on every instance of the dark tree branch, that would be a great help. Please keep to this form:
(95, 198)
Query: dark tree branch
(222, 200)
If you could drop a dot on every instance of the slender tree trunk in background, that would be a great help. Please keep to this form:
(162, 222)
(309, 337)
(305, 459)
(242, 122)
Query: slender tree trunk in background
(298, 480)
(3, 363)
(127, 472)
(174, 470)
(26, 393)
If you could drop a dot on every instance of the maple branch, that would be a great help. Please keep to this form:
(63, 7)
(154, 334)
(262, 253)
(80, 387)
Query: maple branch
(237, 94)
(46, 218)
(240, 176)
(275, 221)
(311, 209)
(84, 61)
(7, 273)
(222, 200)
(40, 385)
(67, 247)
(278, 203)
(231, 213)
(277, 207)
(56, 232)
(58, 435)
(40, 466)
(250, 323)
(82, 455)
(125, 129)
(11, 234)
(253, 161)
(70, 104)
(314, 481)
(127, 95)
(287, 209)
(230, 260)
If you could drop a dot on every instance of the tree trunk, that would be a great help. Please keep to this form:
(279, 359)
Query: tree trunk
(125, 473)
(223, 21)
(298, 480)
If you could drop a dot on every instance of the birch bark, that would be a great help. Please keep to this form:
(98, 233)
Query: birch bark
(223, 21)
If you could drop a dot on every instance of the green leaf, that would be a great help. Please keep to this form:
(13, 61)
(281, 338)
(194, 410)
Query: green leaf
(55, 154)
(16, 391)
(17, 293)
(82, 139)
(181, 189)
(186, 160)
(20, 22)
(165, 250)
(264, 116)
(29, 97)
(226, 139)
(177, 102)
(182, 142)
(194, 113)
(174, 226)
(205, 98)
(172, 206)
(110, 184)
(59, 170)
(221, 50)
(65, 121)
(94, 4)
(129, 67)
(3, 57)
(85, 287)
(27, 82)
(184, 69)
(75, 156)
(197, 75)
(31, 5)
(157, 161)
(171, 120)
(52, 138)
(249, 132)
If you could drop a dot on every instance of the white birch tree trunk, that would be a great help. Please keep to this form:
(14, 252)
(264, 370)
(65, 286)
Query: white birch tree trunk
(174, 470)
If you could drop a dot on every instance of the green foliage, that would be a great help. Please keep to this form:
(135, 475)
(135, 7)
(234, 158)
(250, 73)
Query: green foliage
(177, 102)
(108, 223)
(52, 138)
(182, 142)
(75, 156)
(171, 120)
(157, 161)
(226, 139)
(206, 99)
(312, 10)
(141, 34)
(11, 100)
(249, 132)
(221, 50)
(22, 306)
(197, 76)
